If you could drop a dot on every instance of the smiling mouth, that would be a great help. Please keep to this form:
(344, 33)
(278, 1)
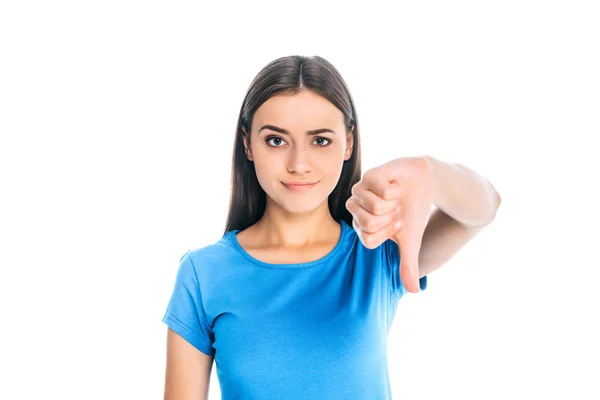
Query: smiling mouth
(300, 188)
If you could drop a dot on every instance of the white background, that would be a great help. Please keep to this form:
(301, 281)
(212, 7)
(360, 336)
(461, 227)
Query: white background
(117, 121)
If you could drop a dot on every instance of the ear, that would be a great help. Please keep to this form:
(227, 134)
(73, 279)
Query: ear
(246, 139)
(349, 144)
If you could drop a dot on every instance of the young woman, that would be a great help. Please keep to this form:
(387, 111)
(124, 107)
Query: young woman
(295, 301)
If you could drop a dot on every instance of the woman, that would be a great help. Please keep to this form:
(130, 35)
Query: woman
(295, 301)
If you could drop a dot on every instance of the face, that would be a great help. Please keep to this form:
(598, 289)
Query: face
(298, 155)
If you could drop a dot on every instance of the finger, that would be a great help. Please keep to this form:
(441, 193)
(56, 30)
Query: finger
(373, 240)
(368, 222)
(375, 204)
(379, 184)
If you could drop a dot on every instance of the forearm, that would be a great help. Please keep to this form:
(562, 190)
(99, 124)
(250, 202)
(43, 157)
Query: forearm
(463, 194)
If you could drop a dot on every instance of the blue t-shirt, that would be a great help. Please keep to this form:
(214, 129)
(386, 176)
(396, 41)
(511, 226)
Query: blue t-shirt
(315, 330)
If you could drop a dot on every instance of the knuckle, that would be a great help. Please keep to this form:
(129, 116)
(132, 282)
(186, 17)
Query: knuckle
(372, 242)
(377, 208)
(349, 203)
(368, 241)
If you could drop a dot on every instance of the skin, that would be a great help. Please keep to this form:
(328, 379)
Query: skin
(188, 370)
(296, 227)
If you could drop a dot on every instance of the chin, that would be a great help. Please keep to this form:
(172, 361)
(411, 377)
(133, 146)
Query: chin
(301, 210)
(301, 205)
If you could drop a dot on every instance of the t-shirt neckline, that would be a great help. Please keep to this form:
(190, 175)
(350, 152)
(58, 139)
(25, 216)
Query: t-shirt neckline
(231, 236)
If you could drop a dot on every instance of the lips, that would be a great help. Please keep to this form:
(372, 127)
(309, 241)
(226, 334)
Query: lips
(299, 183)
(299, 186)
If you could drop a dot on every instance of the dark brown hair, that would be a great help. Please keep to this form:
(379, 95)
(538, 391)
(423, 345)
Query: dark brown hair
(290, 75)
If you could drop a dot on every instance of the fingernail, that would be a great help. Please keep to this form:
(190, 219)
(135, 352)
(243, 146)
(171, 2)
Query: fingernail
(398, 224)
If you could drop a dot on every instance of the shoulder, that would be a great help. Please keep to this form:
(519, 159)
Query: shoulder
(209, 256)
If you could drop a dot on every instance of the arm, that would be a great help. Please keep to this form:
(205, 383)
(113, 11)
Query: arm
(466, 203)
(188, 370)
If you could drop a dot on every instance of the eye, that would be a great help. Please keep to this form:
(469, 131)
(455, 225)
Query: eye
(322, 138)
(273, 138)
(269, 139)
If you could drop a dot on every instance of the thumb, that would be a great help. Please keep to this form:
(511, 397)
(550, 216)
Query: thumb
(409, 245)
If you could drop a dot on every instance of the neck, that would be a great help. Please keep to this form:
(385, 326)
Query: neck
(281, 228)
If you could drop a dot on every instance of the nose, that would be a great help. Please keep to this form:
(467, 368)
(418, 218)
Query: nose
(298, 161)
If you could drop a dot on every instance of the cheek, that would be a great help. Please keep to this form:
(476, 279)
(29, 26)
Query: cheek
(268, 171)
(334, 161)
(268, 164)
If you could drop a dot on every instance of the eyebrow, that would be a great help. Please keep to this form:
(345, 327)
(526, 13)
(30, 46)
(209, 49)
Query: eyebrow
(285, 132)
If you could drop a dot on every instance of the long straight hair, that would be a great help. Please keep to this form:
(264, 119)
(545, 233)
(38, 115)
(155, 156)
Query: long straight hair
(290, 75)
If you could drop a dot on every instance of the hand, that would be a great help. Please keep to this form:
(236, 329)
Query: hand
(393, 201)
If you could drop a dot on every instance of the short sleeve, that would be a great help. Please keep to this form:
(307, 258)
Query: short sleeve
(391, 263)
(185, 312)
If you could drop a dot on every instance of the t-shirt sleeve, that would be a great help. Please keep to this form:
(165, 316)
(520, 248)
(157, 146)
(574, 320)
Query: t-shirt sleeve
(391, 262)
(185, 312)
